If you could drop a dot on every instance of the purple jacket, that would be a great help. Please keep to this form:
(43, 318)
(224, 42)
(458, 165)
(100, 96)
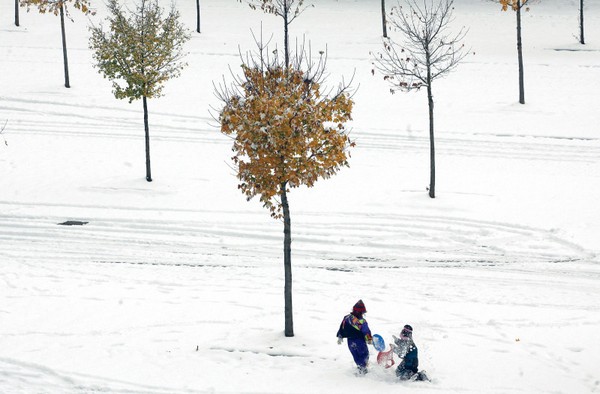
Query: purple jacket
(353, 327)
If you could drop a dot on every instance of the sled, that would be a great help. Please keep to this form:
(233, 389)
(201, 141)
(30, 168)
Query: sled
(378, 342)
(386, 359)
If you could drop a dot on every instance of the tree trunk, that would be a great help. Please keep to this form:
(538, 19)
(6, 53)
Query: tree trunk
(581, 36)
(17, 12)
(287, 263)
(383, 21)
(147, 132)
(286, 43)
(64, 45)
(520, 54)
(198, 16)
(431, 138)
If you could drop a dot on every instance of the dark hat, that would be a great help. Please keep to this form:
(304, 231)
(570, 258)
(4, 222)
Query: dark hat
(407, 331)
(359, 308)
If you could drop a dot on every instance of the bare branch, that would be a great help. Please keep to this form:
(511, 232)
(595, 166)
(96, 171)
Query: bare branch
(428, 51)
(287, 9)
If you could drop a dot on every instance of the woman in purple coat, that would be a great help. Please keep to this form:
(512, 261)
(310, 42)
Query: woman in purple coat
(356, 329)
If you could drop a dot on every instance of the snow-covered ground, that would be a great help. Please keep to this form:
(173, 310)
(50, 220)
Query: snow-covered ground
(176, 286)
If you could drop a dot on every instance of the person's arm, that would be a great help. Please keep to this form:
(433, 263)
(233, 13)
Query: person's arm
(340, 330)
(367, 332)
(401, 347)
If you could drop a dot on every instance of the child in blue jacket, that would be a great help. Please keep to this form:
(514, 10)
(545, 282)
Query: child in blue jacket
(356, 329)
(406, 349)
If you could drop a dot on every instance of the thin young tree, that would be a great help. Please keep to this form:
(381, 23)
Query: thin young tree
(198, 16)
(581, 35)
(428, 51)
(286, 133)
(517, 6)
(383, 20)
(16, 12)
(288, 10)
(59, 7)
(138, 53)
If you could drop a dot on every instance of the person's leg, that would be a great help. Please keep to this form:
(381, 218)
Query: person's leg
(422, 376)
(360, 353)
(403, 373)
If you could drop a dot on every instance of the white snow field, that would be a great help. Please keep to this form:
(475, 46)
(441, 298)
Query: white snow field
(176, 286)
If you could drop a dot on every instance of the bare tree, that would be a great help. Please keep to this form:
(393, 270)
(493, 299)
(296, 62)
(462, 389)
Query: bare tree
(288, 10)
(428, 52)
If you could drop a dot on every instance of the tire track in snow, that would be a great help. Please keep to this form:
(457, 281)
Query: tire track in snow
(400, 240)
(362, 241)
(495, 146)
(136, 240)
(68, 120)
(22, 377)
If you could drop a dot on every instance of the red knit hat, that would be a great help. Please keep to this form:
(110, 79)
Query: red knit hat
(359, 308)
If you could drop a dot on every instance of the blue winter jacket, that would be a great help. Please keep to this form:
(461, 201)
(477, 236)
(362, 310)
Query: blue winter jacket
(411, 360)
(353, 327)
(409, 354)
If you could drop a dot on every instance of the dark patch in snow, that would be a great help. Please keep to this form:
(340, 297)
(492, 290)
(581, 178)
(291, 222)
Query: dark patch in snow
(340, 269)
(270, 353)
(73, 223)
(542, 137)
(576, 50)
(571, 260)
(158, 263)
(462, 263)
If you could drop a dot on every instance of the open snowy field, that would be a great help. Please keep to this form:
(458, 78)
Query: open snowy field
(176, 286)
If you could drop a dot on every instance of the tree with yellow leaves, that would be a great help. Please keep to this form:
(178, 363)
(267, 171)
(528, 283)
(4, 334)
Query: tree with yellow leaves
(58, 7)
(139, 53)
(286, 133)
